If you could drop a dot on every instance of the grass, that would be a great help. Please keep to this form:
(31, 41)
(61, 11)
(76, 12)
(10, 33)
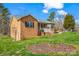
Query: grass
(8, 47)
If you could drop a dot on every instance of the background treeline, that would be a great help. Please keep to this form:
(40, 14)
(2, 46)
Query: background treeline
(63, 23)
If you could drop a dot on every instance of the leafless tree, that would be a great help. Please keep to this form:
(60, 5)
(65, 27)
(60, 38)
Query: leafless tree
(59, 24)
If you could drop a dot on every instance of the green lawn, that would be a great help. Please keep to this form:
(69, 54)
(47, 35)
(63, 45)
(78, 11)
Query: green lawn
(10, 47)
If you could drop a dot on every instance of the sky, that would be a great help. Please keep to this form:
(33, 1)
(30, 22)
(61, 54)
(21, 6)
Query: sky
(41, 11)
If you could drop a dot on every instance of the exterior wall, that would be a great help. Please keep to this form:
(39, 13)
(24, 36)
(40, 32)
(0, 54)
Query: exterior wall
(27, 32)
(18, 30)
(15, 28)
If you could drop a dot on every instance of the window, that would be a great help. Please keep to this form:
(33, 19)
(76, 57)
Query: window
(29, 24)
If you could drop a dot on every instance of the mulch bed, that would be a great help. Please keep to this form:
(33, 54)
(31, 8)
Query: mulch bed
(49, 48)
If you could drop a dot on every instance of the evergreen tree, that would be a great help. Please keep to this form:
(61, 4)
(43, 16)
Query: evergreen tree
(51, 16)
(69, 22)
(4, 16)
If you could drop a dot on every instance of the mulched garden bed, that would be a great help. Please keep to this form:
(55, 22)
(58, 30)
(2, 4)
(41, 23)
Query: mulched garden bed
(45, 48)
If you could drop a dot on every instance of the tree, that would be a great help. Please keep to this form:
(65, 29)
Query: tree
(51, 16)
(4, 19)
(58, 24)
(69, 22)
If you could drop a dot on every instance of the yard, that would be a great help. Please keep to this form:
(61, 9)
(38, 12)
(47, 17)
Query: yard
(25, 47)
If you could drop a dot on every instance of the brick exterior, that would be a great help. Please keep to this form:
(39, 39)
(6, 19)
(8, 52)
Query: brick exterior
(18, 30)
(27, 32)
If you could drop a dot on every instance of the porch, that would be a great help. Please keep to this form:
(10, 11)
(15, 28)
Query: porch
(45, 28)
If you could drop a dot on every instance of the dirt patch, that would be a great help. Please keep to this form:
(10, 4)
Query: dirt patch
(49, 48)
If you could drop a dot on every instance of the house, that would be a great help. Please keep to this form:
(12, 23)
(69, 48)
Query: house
(28, 26)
